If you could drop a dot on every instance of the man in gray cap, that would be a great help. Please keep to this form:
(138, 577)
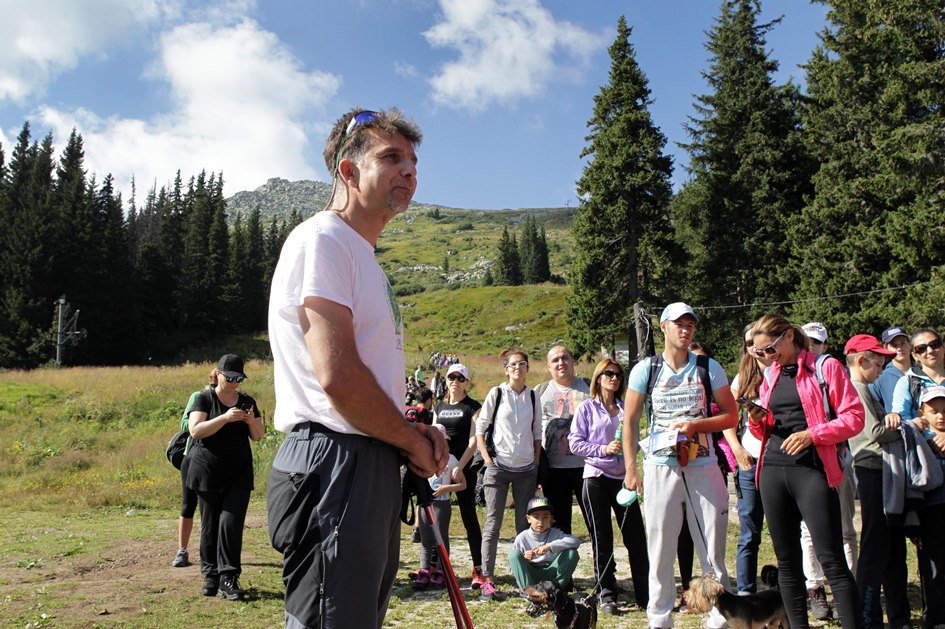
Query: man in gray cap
(681, 476)
(896, 339)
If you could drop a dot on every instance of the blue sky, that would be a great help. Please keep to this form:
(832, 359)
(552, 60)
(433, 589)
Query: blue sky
(502, 89)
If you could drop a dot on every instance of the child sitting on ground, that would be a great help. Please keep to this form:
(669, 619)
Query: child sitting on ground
(541, 552)
(443, 486)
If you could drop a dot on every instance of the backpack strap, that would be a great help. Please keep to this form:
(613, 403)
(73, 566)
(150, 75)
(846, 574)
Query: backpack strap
(819, 370)
(915, 375)
(702, 368)
(540, 388)
(656, 363)
(490, 443)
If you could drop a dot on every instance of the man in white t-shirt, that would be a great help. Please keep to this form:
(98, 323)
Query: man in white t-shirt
(336, 333)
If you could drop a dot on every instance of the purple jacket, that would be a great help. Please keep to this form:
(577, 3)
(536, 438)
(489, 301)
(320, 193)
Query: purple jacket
(592, 429)
(825, 434)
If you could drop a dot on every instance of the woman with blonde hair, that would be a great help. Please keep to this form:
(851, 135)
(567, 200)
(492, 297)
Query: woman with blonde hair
(593, 436)
(798, 469)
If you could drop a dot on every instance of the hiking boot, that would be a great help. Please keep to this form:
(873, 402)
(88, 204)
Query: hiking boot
(230, 588)
(819, 608)
(421, 579)
(477, 580)
(182, 559)
(210, 585)
(487, 591)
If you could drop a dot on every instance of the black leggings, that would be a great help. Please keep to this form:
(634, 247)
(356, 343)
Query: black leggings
(600, 498)
(188, 497)
(795, 493)
(222, 515)
(466, 499)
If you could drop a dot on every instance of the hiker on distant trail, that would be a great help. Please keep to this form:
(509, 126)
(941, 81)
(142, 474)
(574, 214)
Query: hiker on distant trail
(221, 472)
(336, 332)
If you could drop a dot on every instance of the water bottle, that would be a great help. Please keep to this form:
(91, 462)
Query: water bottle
(618, 438)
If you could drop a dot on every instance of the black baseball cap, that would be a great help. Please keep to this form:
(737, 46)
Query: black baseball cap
(231, 366)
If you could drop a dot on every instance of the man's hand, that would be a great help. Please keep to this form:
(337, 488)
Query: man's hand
(429, 455)
(797, 443)
(684, 428)
(632, 479)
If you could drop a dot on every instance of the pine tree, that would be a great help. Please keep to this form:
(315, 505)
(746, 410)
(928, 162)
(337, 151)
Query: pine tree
(508, 270)
(622, 231)
(542, 266)
(25, 252)
(875, 120)
(749, 176)
(527, 250)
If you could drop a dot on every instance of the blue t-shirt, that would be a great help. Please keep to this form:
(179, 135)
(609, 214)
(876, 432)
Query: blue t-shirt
(884, 386)
(678, 396)
(937, 495)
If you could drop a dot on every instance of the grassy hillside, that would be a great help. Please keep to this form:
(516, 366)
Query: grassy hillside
(482, 321)
(415, 245)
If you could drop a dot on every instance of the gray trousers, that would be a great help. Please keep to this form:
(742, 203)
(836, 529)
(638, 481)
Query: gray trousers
(442, 510)
(333, 503)
(495, 484)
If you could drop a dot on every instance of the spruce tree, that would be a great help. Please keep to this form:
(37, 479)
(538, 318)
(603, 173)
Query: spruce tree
(875, 121)
(508, 270)
(622, 232)
(528, 251)
(749, 175)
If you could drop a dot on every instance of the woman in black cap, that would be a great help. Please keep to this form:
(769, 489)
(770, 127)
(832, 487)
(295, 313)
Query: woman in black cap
(221, 472)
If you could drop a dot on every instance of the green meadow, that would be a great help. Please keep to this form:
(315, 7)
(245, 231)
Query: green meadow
(89, 504)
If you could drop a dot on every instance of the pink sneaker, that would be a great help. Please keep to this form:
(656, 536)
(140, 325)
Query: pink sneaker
(487, 591)
(422, 579)
(437, 579)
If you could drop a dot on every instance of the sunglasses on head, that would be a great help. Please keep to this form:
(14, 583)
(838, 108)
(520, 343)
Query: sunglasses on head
(933, 345)
(235, 378)
(769, 350)
(612, 374)
(456, 376)
(358, 119)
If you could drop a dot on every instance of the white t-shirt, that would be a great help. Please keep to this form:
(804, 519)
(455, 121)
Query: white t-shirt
(324, 257)
(446, 478)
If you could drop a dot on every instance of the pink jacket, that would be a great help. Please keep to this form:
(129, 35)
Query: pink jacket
(825, 434)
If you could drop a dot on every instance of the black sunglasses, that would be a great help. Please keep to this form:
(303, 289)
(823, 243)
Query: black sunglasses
(933, 345)
(611, 374)
(456, 376)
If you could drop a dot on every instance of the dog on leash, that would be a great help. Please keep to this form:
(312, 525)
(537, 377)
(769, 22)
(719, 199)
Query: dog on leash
(568, 613)
(763, 609)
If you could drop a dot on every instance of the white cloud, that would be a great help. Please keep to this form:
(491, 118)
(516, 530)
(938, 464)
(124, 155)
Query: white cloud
(43, 38)
(508, 49)
(240, 104)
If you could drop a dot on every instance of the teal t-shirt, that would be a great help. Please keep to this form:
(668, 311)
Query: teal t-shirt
(677, 396)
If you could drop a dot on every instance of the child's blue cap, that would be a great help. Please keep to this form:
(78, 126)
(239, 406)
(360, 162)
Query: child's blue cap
(537, 504)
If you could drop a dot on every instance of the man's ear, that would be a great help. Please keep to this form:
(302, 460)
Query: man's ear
(348, 171)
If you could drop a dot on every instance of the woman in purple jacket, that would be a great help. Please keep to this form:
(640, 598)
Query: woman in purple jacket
(593, 436)
(798, 471)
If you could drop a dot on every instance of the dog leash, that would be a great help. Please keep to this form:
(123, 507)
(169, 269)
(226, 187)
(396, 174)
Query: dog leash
(613, 553)
(695, 515)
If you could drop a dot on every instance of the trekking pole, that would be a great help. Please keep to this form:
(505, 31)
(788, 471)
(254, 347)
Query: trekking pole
(425, 501)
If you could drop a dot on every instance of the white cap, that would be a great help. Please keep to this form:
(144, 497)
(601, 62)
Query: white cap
(458, 368)
(816, 331)
(931, 393)
(676, 310)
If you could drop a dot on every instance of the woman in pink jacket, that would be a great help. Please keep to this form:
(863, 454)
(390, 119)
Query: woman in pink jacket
(798, 471)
